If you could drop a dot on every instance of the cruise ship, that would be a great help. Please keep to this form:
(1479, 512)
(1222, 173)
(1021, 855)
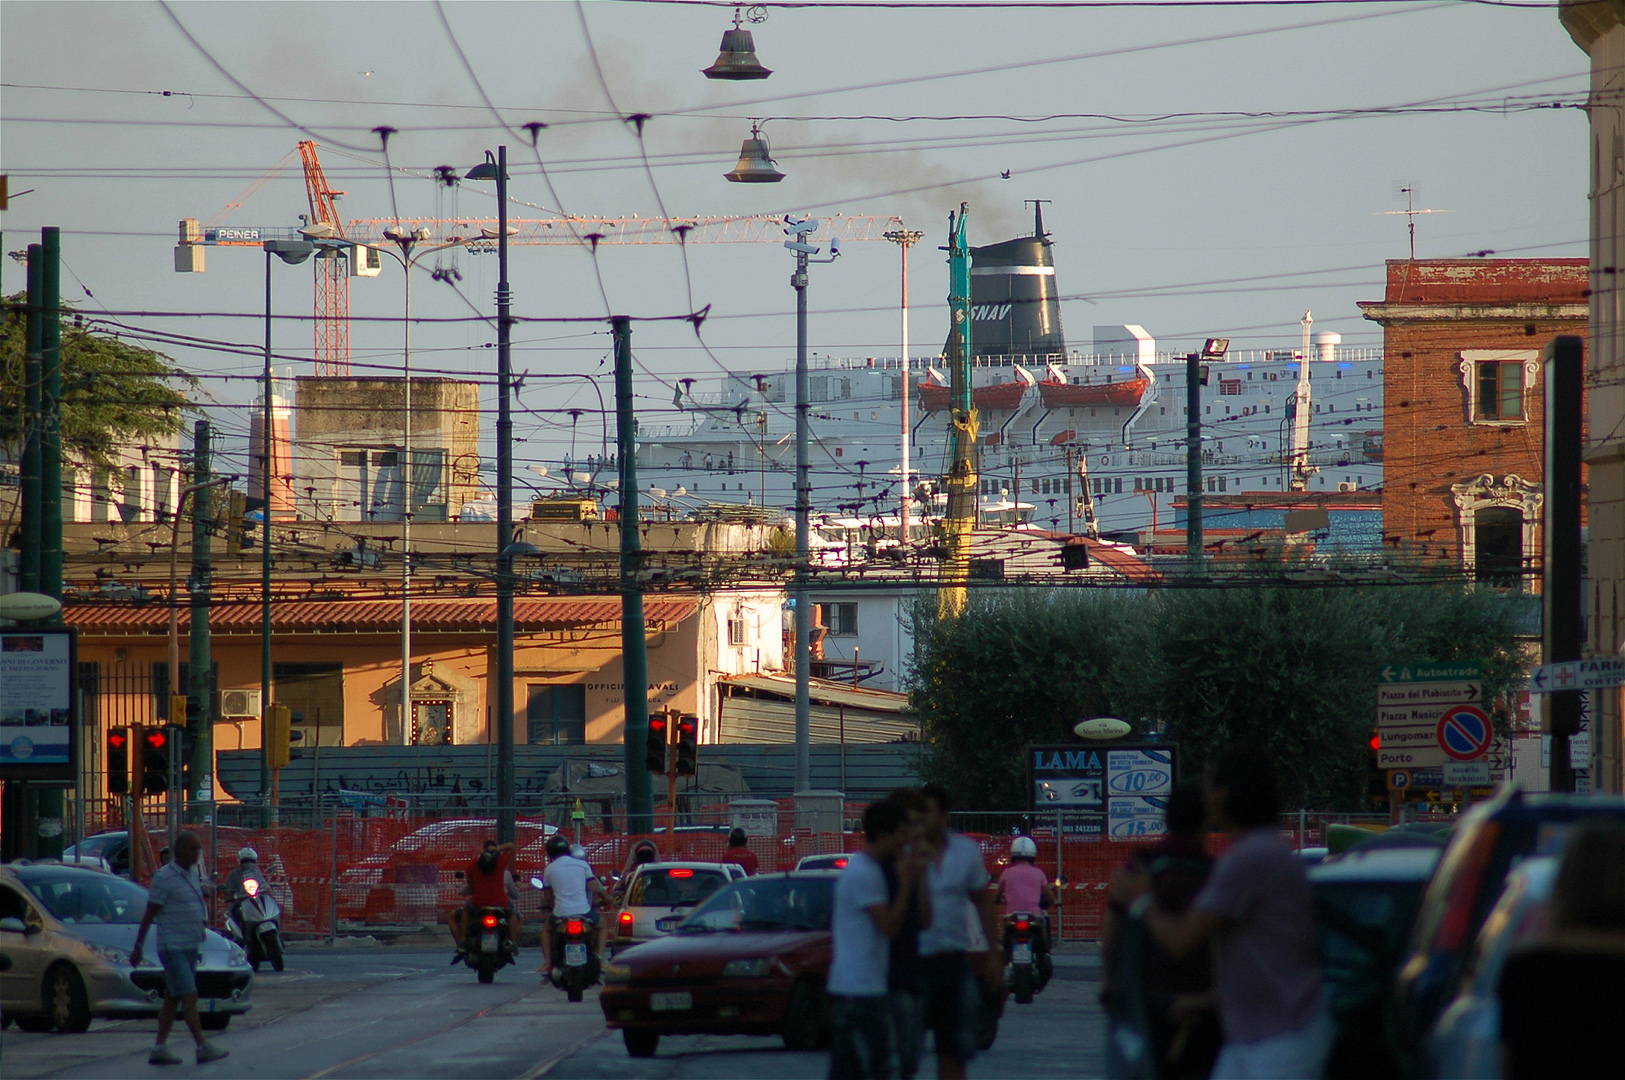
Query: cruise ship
(1064, 434)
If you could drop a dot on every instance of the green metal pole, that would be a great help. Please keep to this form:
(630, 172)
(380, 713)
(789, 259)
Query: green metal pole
(267, 463)
(51, 408)
(634, 647)
(52, 815)
(199, 685)
(32, 508)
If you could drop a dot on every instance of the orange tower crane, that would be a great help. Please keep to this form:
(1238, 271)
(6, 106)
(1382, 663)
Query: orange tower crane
(332, 324)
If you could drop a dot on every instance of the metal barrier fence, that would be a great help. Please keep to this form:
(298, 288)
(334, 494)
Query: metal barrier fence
(342, 869)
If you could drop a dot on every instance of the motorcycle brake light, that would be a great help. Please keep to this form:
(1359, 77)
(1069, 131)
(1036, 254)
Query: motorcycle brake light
(251, 887)
(573, 926)
(490, 922)
(1023, 925)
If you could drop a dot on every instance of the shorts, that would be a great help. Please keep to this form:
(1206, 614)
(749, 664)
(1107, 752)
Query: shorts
(952, 1003)
(907, 1015)
(180, 971)
(861, 1038)
(1288, 1055)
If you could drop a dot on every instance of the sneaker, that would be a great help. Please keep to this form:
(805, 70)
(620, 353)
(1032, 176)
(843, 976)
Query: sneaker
(208, 1051)
(458, 957)
(163, 1055)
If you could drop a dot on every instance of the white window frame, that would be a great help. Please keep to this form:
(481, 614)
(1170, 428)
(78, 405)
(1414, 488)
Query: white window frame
(1485, 491)
(1467, 369)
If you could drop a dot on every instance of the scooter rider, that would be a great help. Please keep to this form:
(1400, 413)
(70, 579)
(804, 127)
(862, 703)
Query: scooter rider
(1024, 887)
(486, 883)
(248, 869)
(569, 888)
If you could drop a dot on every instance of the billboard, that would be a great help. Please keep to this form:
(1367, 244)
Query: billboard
(1115, 793)
(39, 711)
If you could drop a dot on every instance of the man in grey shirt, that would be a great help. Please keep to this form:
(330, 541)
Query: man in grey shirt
(175, 903)
(1256, 911)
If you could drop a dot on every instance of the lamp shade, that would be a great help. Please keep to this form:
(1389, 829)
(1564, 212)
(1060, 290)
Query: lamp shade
(737, 60)
(755, 166)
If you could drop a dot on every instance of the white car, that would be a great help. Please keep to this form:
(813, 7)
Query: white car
(822, 862)
(660, 895)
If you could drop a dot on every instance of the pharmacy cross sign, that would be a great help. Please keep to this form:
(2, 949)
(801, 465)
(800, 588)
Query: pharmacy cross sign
(1465, 732)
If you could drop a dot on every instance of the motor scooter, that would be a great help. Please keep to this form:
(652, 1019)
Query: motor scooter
(1026, 955)
(487, 949)
(575, 961)
(254, 921)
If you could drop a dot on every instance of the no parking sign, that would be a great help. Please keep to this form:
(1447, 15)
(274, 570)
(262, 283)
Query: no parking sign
(1465, 732)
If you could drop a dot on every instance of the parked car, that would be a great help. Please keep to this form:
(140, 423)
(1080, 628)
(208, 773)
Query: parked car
(659, 895)
(751, 959)
(1365, 901)
(416, 878)
(1483, 848)
(69, 930)
(1466, 1042)
(110, 850)
(822, 862)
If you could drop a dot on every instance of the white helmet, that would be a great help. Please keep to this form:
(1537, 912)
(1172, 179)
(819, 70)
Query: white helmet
(247, 854)
(1023, 848)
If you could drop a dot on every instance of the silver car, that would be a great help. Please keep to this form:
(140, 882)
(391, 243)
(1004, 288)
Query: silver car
(69, 931)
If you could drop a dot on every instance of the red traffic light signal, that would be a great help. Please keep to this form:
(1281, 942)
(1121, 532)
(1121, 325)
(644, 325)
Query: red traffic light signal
(155, 739)
(1376, 743)
(654, 750)
(687, 745)
(118, 760)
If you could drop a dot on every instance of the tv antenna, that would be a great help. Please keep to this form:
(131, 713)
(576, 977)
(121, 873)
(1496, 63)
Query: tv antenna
(1410, 212)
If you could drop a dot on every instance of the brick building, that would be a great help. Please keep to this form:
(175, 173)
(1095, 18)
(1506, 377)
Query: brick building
(1463, 406)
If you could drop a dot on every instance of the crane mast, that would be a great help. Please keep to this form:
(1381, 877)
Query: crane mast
(332, 323)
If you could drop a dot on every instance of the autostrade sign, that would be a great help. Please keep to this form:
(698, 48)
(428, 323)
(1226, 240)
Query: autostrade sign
(1116, 793)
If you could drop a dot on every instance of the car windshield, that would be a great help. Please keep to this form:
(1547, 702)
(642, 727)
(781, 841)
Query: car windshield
(674, 886)
(1363, 926)
(787, 903)
(99, 846)
(84, 899)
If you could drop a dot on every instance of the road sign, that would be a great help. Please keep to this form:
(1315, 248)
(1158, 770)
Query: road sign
(1466, 773)
(1576, 675)
(1465, 732)
(1406, 673)
(1399, 779)
(1403, 695)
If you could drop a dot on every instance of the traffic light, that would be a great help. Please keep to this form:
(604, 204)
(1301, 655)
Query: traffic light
(654, 754)
(155, 760)
(118, 761)
(1376, 778)
(237, 536)
(688, 747)
(280, 735)
(177, 709)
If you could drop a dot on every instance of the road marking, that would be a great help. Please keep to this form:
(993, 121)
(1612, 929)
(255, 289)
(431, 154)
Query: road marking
(546, 1065)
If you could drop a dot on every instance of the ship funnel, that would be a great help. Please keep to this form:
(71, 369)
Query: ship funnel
(1326, 344)
(1015, 310)
(755, 165)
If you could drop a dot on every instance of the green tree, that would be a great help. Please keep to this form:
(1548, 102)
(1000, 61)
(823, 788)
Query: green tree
(1290, 671)
(112, 391)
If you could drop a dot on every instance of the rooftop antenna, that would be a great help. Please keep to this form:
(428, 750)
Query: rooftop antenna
(1038, 216)
(1410, 212)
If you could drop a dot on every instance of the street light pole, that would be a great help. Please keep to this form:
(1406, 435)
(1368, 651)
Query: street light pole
(905, 239)
(291, 252)
(504, 702)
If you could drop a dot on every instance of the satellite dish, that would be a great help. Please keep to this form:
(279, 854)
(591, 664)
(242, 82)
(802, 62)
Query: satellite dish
(28, 606)
(1102, 727)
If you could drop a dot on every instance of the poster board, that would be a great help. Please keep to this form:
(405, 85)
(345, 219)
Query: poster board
(1103, 792)
(39, 708)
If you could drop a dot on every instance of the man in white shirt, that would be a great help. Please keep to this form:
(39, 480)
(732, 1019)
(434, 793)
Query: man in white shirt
(175, 902)
(863, 922)
(570, 888)
(952, 952)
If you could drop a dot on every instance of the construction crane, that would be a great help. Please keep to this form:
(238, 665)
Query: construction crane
(961, 481)
(332, 324)
(357, 255)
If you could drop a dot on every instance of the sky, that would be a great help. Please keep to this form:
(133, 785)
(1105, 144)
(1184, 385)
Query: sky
(1172, 203)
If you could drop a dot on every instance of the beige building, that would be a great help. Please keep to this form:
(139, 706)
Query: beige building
(349, 437)
(1599, 29)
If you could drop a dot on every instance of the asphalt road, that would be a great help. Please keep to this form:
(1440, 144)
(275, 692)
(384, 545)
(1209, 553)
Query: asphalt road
(405, 1013)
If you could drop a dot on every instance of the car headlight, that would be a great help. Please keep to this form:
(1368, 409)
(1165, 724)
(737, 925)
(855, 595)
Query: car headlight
(615, 973)
(745, 969)
(110, 954)
(235, 954)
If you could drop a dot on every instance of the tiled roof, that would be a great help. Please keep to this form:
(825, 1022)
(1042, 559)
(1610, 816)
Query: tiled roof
(376, 616)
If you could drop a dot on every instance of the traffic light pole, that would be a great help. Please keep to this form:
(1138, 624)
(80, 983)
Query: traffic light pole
(200, 719)
(634, 646)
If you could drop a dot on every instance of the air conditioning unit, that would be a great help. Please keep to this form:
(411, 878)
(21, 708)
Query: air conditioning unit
(365, 261)
(1347, 485)
(239, 703)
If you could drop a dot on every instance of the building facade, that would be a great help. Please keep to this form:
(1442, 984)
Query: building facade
(1464, 438)
(1599, 29)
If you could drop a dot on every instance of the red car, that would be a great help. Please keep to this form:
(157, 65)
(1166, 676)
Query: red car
(750, 960)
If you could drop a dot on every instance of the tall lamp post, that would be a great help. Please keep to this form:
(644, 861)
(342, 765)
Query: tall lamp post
(407, 240)
(291, 252)
(498, 170)
(904, 239)
(799, 231)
